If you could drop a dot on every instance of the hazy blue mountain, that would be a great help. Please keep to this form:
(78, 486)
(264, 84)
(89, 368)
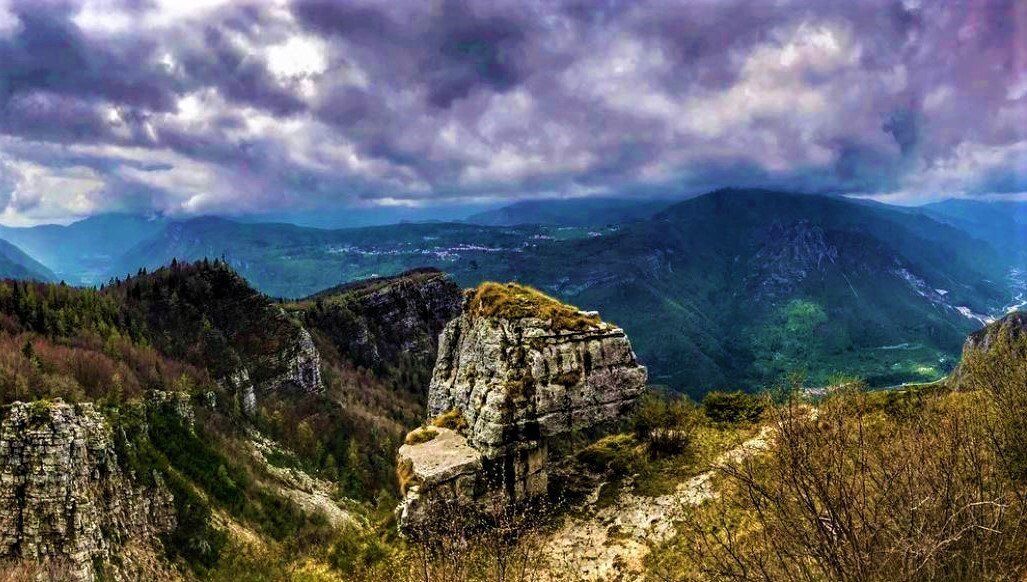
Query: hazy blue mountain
(82, 252)
(15, 264)
(733, 288)
(571, 212)
(1001, 224)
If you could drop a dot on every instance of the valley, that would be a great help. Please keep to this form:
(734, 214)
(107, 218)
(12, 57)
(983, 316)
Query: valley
(713, 288)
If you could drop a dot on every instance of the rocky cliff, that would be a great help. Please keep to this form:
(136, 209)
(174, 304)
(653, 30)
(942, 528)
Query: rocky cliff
(514, 371)
(299, 365)
(1000, 345)
(381, 323)
(65, 499)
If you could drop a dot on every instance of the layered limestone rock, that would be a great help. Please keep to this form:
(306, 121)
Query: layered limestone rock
(521, 369)
(302, 365)
(63, 496)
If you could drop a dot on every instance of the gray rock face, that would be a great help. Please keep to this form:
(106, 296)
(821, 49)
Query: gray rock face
(302, 364)
(984, 344)
(63, 496)
(518, 383)
(301, 370)
(380, 322)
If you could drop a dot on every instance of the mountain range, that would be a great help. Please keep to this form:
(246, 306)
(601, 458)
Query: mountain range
(735, 288)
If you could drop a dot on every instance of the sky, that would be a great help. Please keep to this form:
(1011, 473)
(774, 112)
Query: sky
(194, 107)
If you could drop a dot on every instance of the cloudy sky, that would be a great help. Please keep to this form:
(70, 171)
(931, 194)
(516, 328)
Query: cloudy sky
(188, 107)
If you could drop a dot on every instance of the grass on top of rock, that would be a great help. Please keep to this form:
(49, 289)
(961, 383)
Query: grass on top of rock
(513, 301)
(452, 419)
(421, 435)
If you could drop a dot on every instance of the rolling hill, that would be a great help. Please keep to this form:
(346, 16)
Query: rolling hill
(571, 212)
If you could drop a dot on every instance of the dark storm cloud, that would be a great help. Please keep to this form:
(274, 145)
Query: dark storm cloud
(251, 105)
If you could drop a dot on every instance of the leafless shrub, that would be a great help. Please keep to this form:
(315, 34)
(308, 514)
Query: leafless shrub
(849, 494)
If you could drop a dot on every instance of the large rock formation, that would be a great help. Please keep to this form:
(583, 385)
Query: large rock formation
(300, 370)
(517, 369)
(63, 496)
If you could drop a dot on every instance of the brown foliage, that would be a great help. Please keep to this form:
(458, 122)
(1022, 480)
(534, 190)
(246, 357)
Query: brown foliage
(513, 301)
(848, 493)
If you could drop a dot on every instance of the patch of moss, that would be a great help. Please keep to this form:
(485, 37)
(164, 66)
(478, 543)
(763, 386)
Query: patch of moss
(405, 475)
(514, 301)
(451, 419)
(420, 435)
(39, 412)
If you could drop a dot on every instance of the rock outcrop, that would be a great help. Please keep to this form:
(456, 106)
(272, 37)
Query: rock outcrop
(1001, 343)
(519, 369)
(63, 496)
(300, 365)
(380, 322)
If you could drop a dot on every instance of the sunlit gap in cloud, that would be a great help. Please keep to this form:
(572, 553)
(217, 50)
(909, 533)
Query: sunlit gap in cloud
(185, 108)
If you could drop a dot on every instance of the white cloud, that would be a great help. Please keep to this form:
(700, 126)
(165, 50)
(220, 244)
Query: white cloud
(299, 56)
(9, 23)
(37, 193)
(964, 173)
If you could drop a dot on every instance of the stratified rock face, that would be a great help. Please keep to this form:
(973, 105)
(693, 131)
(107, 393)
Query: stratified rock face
(302, 364)
(522, 381)
(63, 496)
(521, 369)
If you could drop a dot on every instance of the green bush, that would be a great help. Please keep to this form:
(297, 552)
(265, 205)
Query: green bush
(733, 407)
(665, 423)
(616, 453)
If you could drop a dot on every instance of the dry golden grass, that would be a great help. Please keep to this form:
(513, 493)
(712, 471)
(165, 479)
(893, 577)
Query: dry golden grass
(420, 435)
(514, 301)
(451, 419)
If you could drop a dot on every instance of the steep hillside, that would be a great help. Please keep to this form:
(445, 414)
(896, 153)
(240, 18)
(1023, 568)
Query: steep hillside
(188, 417)
(15, 264)
(1001, 224)
(737, 288)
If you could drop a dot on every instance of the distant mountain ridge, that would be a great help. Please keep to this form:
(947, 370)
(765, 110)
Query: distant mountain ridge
(571, 212)
(15, 264)
(82, 252)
